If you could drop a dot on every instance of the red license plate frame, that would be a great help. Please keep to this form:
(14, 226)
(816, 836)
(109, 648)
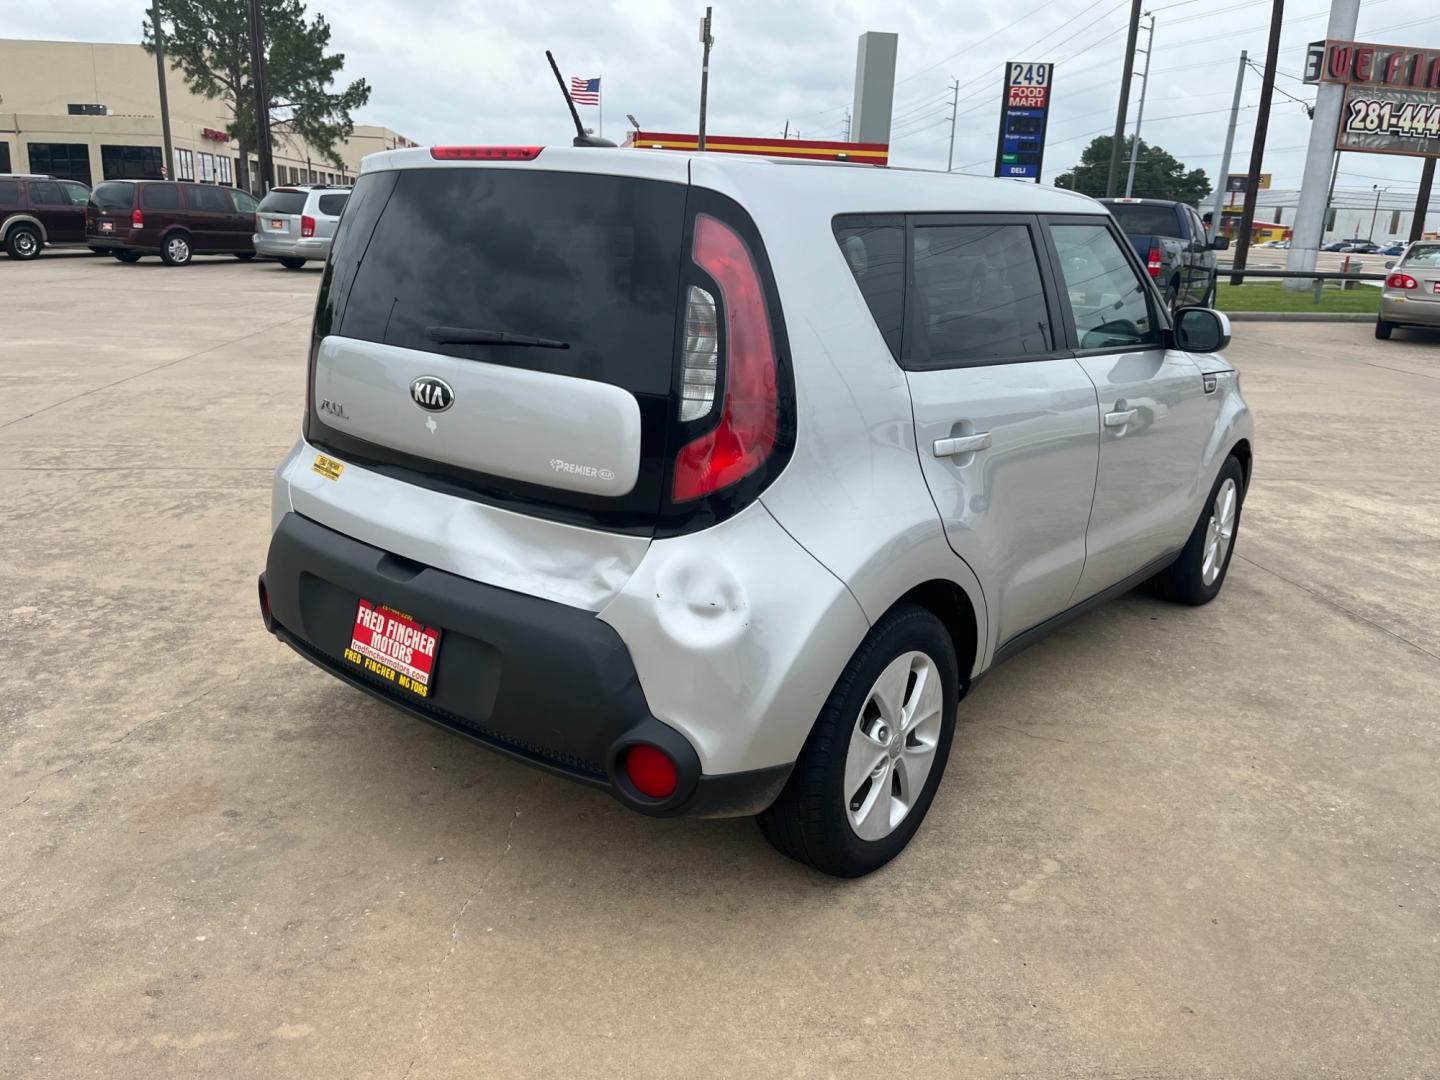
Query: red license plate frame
(390, 645)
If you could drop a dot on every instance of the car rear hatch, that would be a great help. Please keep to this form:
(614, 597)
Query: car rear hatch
(278, 215)
(109, 209)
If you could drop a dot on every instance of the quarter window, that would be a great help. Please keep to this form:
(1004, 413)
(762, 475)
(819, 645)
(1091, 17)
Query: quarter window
(1108, 299)
(875, 253)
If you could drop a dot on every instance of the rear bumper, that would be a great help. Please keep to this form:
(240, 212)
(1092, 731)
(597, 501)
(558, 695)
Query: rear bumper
(547, 684)
(1411, 312)
(290, 248)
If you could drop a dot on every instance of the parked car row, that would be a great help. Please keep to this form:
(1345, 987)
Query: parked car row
(175, 220)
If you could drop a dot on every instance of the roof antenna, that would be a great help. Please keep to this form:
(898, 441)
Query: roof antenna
(581, 139)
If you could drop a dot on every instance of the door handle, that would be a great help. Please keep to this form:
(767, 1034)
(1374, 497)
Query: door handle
(962, 444)
(1120, 417)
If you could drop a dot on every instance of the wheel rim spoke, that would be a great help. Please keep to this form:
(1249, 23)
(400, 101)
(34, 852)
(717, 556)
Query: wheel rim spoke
(892, 745)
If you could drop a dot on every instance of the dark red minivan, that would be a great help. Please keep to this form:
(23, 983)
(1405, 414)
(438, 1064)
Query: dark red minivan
(175, 220)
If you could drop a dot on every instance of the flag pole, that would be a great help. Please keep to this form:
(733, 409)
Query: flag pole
(600, 105)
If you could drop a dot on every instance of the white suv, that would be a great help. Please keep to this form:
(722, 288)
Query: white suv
(716, 481)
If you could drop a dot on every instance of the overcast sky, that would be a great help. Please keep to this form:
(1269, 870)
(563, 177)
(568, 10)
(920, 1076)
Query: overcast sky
(445, 71)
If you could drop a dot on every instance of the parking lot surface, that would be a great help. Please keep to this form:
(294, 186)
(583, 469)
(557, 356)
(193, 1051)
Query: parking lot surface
(1171, 842)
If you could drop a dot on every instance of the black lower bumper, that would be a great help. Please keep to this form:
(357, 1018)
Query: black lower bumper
(550, 685)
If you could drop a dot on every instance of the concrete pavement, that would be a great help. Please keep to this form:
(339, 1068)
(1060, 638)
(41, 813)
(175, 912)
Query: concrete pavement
(1170, 843)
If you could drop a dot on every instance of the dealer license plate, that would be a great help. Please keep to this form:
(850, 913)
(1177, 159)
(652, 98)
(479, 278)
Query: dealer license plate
(390, 645)
(276, 223)
(107, 226)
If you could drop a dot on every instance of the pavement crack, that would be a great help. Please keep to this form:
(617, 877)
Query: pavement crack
(1031, 734)
(475, 894)
(1332, 602)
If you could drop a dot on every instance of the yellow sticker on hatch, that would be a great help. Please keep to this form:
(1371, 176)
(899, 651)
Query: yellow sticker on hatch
(328, 467)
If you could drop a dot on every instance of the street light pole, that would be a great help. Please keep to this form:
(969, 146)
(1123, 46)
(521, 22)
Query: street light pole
(707, 39)
(164, 91)
(1376, 212)
(954, 103)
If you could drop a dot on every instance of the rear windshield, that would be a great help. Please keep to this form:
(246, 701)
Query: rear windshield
(1137, 219)
(590, 261)
(1424, 255)
(113, 196)
(332, 204)
(283, 202)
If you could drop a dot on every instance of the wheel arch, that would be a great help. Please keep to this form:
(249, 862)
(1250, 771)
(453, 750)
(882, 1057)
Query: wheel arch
(1241, 450)
(23, 219)
(949, 602)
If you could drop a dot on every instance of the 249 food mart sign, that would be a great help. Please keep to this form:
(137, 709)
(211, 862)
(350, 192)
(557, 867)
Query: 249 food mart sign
(1392, 95)
(1024, 110)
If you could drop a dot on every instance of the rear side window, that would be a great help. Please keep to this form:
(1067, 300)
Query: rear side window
(113, 196)
(590, 261)
(283, 202)
(208, 200)
(47, 193)
(1139, 219)
(977, 296)
(160, 197)
(244, 202)
(9, 192)
(874, 249)
(331, 205)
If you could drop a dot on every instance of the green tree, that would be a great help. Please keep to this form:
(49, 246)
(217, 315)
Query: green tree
(1157, 174)
(209, 41)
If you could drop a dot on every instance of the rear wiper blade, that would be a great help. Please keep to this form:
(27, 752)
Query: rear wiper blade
(469, 335)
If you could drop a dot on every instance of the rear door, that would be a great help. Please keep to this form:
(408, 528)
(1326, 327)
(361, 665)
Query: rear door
(242, 220)
(1005, 419)
(208, 213)
(111, 205)
(50, 204)
(1154, 414)
(506, 334)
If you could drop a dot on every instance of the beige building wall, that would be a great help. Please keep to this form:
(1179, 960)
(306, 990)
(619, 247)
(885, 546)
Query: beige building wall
(40, 80)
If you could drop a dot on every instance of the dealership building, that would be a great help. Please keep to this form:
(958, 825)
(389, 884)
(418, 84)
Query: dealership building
(91, 111)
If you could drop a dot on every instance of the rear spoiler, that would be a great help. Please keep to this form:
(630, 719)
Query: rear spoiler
(810, 149)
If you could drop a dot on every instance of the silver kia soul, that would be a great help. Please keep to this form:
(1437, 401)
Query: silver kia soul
(717, 481)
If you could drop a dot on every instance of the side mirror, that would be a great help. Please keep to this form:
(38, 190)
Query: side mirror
(1201, 330)
(1220, 243)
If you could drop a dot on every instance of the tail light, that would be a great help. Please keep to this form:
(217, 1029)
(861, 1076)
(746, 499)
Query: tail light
(307, 225)
(701, 359)
(749, 421)
(485, 153)
(1154, 262)
(1401, 281)
(137, 218)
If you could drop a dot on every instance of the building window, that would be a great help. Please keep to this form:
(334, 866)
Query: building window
(131, 162)
(225, 175)
(66, 161)
(5, 158)
(184, 165)
(207, 168)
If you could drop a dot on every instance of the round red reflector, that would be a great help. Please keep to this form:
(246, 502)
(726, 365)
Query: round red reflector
(651, 771)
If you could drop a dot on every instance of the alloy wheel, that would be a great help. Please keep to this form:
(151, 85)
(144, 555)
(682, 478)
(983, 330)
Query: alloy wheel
(1220, 531)
(892, 745)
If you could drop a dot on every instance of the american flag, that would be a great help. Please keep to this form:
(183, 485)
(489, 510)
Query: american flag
(584, 91)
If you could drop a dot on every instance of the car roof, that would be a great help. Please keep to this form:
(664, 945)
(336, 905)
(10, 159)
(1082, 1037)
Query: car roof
(838, 187)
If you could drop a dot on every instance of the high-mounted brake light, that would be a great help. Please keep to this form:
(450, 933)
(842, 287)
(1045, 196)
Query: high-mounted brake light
(137, 218)
(1154, 262)
(750, 416)
(485, 153)
(1401, 281)
(307, 225)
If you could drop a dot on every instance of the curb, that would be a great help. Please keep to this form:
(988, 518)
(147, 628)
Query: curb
(1300, 316)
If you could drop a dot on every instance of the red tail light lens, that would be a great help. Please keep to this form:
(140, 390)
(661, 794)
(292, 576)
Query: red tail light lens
(1154, 262)
(137, 218)
(651, 771)
(485, 153)
(307, 225)
(1401, 281)
(750, 417)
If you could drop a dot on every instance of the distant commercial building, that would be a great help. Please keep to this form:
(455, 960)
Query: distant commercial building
(91, 111)
(1354, 213)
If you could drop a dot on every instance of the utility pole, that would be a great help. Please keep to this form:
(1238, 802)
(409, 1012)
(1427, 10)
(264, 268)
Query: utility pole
(786, 133)
(1117, 146)
(1422, 200)
(1376, 212)
(1140, 112)
(262, 97)
(1257, 148)
(164, 91)
(1217, 211)
(954, 104)
(706, 39)
(847, 123)
(1311, 214)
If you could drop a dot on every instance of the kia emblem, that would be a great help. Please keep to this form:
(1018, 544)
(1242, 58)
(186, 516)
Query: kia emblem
(432, 394)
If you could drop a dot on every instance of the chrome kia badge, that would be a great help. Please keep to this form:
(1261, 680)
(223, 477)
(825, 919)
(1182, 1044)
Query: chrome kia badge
(432, 394)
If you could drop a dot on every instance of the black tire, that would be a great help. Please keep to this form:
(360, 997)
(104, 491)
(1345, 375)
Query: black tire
(23, 242)
(244, 256)
(1183, 581)
(809, 822)
(176, 249)
(1382, 329)
(292, 264)
(127, 256)
(1212, 292)
(1172, 295)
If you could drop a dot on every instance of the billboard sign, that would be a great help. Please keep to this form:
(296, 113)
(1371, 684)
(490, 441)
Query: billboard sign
(1389, 120)
(1352, 62)
(1235, 182)
(1024, 110)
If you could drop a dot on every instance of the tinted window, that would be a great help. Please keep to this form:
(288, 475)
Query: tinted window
(160, 197)
(875, 253)
(66, 161)
(113, 196)
(9, 192)
(47, 193)
(332, 204)
(244, 201)
(1137, 219)
(131, 162)
(209, 200)
(976, 296)
(78, 194)
(1421, 255)
(592, 261)
(1107, 296)
(283, 202)
(5, 157)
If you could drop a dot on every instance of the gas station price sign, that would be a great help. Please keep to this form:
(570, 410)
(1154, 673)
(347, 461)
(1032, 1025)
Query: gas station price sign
(1024, 109)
